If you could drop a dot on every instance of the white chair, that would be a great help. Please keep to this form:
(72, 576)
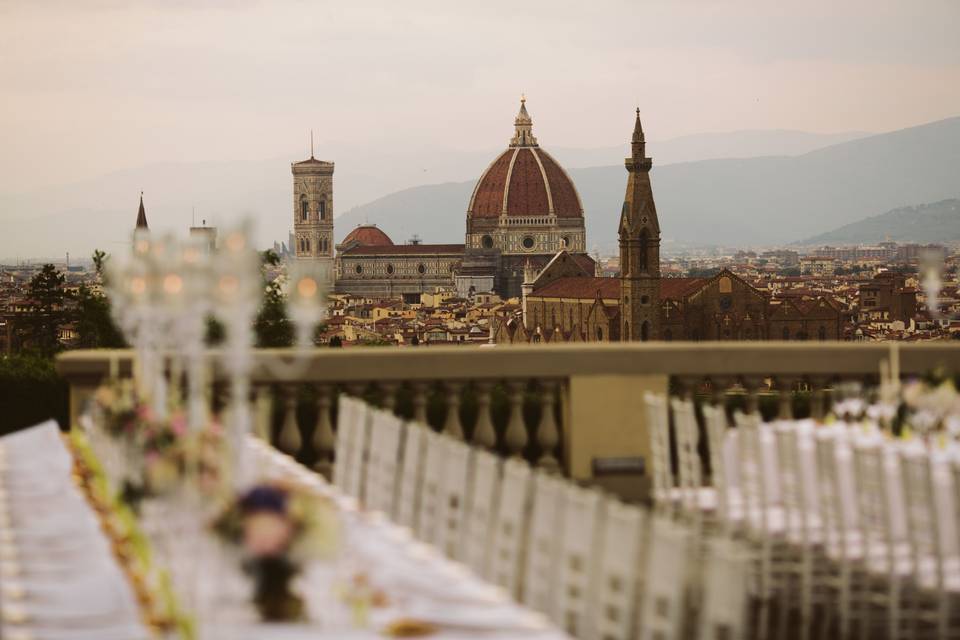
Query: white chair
(663, 605)
(453, 505)
(510, 527)
(431, 489)
(544, 540)
(352, 427)
(658, 425)
(886, 562)
(407, 512)
(841, 542)
(482, 505)
(616, 586)
(715, 419)
(937, 581)
(577, 554)
(688, 458)
(383, 463)
(726, 576)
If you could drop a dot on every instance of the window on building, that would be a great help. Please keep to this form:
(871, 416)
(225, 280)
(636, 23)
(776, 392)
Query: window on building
(358, 269)
(645, 331)
(323, 209)
(725, 284)
(303, 208)
(599, 334)
(421, 269)
(527, 242)
(487, 242)
(644, 250)
(389, 269)
(822, 333)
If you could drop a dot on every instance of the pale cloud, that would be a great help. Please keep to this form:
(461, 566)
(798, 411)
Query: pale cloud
(106, 85)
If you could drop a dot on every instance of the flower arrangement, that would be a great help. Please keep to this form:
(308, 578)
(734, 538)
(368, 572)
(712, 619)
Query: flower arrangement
(277, 527)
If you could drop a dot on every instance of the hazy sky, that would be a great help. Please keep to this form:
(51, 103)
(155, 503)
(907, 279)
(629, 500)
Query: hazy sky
(94, 86)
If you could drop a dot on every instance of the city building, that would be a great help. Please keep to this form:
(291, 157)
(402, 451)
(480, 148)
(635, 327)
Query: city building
(523, 210)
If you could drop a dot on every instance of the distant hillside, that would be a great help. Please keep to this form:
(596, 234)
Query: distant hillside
(79, 217)
(936, 222)
(767, 200)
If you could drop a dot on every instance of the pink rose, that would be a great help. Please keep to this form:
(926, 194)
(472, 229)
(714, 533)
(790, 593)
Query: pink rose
(266, 533)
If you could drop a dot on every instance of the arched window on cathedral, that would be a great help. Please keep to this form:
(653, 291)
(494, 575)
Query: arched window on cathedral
(303, 208)
(644, 252)
(323, 209)
(822, 333)
(645, 331)
(599, 334)
(308, 244)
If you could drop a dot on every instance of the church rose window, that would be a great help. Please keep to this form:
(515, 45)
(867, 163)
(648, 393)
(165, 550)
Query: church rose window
(421, 269)
(487, 242)
(390, 269)
(528, 242)
(359, 269)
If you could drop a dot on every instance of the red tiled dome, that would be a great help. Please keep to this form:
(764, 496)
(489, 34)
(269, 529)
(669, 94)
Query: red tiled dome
(368, 235)
(525, 181)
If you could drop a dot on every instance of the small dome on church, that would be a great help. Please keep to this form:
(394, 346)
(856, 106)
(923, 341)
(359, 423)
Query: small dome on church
(369, 235)
(525, 180)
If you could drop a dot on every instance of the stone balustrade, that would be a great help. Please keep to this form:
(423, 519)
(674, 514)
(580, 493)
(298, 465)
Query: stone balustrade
(563, 406)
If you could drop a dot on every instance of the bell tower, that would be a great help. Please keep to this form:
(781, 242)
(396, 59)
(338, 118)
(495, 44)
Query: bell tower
(639, 248)
(313, 214)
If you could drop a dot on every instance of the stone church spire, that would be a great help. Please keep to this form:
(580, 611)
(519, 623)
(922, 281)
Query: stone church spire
(142, 216)
(523, 127)
(639, 247)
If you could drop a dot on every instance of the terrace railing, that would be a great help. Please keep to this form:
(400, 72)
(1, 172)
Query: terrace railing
(574, 408)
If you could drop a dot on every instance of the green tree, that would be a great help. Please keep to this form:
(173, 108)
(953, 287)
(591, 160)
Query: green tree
(272, 327)
(47, 313)
(94, 321)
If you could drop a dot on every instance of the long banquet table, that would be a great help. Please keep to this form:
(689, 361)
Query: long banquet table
(72, 588)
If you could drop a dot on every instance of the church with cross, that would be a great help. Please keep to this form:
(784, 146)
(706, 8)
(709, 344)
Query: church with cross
(566, 302)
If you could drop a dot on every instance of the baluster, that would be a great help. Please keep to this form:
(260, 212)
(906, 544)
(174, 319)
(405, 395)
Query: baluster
(389, 397)
(785, 396)
(263, 412)
(818, 404)
(484, 434)
(290, 440)
(452, 425)
(420, 402)
(752, 385)
(547, 433)
(324, 441)
(516, 434)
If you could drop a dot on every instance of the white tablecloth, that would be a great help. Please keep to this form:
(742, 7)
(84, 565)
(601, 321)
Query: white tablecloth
(58, 575)
(75, 590)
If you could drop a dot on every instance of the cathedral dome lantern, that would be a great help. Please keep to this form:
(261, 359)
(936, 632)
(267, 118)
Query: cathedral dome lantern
(524, 181)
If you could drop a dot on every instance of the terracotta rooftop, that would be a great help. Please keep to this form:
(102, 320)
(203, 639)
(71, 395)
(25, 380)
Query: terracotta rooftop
(369, 235)
(581, 287)
(677, 288)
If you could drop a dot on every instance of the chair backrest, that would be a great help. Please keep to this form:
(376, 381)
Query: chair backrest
(383, 462)
(432, 494)
(663, 606)
(578, 552)
(688, 458)
(544, 540)
(726, 576)
(923, 525)
(510, 527)
(753, 481)
(352, 425)
(661, 475)
(457, 471)
(715, 419)
(832, 515)
(407, 512)
(617, 573)
(482, 503)
(793, 495)
(873, 501)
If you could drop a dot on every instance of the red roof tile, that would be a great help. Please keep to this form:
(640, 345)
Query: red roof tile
(677, 288)
(580, 287)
